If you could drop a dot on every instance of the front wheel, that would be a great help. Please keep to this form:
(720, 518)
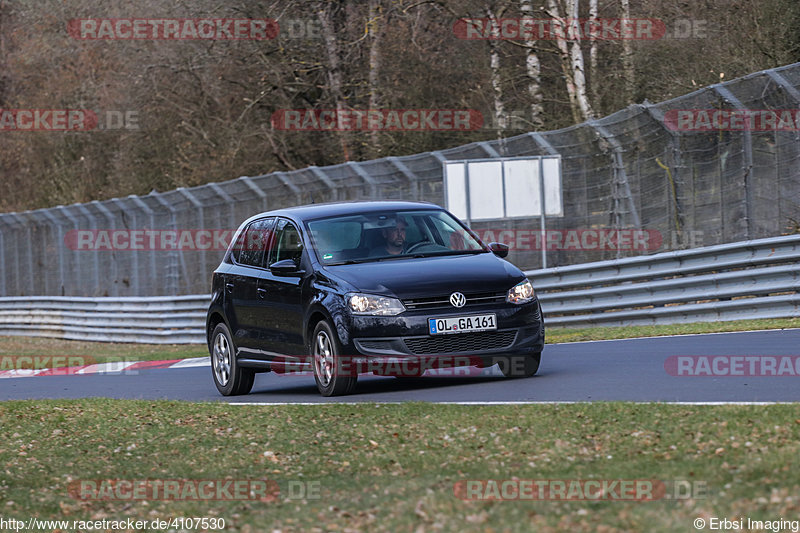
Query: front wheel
(520, 366)
(330, 371)
(229, 377)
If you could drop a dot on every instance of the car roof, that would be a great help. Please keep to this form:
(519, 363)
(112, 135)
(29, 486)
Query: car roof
(312, 211)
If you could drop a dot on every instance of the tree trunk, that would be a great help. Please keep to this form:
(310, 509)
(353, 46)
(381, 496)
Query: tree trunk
(326, 18)
(593, 81)
(494, 66)
(534, 71)
(375, 32)
(628, 74)
(572, 61)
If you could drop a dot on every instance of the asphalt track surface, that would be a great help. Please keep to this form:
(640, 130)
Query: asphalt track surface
(624, 370)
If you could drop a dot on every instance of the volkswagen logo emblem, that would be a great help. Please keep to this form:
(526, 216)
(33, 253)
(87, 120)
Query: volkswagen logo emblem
(457, 299)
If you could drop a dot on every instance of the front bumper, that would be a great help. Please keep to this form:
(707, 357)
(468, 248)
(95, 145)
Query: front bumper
(520, 329)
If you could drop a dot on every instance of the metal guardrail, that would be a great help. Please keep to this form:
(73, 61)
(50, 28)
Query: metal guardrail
(751, 279)
(156, 320)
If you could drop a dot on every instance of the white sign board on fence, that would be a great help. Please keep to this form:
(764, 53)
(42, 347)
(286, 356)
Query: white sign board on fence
(504, 188)
(490, 189)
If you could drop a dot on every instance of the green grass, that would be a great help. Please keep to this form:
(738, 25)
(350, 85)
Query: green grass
(94, 352)
(393, 467)
(556, 335)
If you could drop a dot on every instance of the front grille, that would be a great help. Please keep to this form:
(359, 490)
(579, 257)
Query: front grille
(437, 302)
(461, 342)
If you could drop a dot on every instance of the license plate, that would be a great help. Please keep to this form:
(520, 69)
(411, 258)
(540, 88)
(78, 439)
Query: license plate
(461, 324)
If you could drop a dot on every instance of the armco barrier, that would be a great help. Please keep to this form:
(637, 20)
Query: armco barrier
(155, 320)
(751, 279)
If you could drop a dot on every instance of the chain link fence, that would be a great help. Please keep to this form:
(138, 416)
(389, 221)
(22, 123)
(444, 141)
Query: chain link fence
(636, 182)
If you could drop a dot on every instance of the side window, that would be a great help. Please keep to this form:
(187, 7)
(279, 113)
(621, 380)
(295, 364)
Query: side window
(287, 244)
(254, 242)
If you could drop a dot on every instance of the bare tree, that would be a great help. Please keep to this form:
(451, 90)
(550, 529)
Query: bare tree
(628, 74)
(334, 68)
(494, 71)
(375, 24)
(534, 71)
(593, 21)
(572, 59)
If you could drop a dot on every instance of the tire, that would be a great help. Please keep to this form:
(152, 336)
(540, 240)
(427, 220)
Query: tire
(520, 366)
(329, 372)
(229, 377)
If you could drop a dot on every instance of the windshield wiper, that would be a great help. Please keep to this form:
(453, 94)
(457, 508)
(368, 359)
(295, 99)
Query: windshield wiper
(368, 260)
(417, 255)
(451, 252)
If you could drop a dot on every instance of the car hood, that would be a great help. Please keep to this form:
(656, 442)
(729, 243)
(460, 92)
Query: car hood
(430, 276)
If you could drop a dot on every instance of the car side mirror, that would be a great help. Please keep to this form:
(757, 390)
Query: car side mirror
(499, 249)
(286, 267)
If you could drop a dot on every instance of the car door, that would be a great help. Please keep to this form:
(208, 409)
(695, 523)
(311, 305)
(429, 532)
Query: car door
(281, 305)
(242, 284)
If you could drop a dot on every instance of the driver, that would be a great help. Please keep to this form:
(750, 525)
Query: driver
(395, 240)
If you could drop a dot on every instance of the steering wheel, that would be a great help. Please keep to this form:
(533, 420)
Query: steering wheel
(417, 245)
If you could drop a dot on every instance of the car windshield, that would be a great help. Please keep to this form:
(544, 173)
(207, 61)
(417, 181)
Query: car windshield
(388, 235)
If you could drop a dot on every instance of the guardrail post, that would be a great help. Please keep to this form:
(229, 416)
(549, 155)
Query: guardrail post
(28, 273)
(620, 176)
(111, 220)
(288, 183)
(247, 180)
(784, 84)
(727, 95)
(228, 199)
(489, 149)
(200, 218)
(3, 259)
(58, 229)
(78, 271)
(674, 174)
(544, 144)
(134, 281)
(413, 182)
(177, 263)
(369, 180)
(95, 257)
(153, 268)
(326, 180)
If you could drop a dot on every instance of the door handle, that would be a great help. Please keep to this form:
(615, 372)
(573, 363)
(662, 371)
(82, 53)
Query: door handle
(229, 287)
(262, 293)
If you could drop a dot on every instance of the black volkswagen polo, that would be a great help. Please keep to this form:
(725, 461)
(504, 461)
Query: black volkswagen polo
(392, 288)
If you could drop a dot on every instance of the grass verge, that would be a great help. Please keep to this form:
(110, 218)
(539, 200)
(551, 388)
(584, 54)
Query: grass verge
(393, 467)
(96, 352)
(556, 335)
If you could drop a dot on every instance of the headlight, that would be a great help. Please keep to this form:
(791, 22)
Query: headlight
(367, 304)
(521, 293)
